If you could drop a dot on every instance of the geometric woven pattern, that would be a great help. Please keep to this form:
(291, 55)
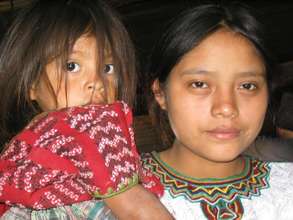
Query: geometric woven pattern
(69, 156)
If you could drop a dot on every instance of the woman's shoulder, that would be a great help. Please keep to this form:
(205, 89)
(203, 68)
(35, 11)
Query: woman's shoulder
(280, 190)
(277, 174)
(282, 172)
(276, 198)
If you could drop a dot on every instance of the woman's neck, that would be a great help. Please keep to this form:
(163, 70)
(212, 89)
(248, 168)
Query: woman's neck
(190, 164)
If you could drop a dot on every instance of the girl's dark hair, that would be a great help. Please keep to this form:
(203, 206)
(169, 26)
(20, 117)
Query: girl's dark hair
(46, 30)
(186, 32)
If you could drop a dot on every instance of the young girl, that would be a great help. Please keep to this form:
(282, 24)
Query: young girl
(211, 79)
(73, 56)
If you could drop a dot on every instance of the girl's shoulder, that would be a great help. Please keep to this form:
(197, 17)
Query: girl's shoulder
(72, 121)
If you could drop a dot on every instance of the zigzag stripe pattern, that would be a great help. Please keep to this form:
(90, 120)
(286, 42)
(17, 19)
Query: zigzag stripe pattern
(246, 186)
(104, 126)
(69, 155)
(16, 151)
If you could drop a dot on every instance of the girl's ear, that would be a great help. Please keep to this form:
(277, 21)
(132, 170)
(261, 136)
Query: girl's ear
(159, 94)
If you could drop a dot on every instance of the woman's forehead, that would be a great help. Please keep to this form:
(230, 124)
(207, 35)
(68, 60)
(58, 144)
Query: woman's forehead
(222, 51)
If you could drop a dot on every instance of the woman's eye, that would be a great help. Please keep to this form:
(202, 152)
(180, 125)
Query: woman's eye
(199, 85)
(248, 86)
(109, 68)
(72, 67)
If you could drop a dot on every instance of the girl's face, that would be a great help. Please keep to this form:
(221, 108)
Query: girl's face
(84, 85)
(216, 98)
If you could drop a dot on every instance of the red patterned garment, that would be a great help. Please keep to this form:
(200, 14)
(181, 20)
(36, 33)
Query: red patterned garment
(72, 155)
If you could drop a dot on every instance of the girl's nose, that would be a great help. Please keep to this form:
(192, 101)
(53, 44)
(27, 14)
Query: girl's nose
(96, 89)
(95, 86)
(225, 105)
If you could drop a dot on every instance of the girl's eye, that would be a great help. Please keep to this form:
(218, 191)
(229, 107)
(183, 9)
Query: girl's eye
(199, 85)
(72, 67)
(109, 68)
(248, 86)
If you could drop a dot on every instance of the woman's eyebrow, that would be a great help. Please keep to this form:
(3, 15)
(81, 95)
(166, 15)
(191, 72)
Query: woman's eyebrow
(198, 71)
(251, 74)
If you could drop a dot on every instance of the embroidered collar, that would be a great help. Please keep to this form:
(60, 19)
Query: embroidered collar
(216, 196)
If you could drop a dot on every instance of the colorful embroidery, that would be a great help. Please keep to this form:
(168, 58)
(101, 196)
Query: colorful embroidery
(219, 198)
(223, 210)
(70, 155)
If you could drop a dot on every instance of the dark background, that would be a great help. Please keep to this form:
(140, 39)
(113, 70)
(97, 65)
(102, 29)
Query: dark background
(145, 20)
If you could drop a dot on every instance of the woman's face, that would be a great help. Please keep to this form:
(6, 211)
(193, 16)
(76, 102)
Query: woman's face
(216, 97)
(82, 84)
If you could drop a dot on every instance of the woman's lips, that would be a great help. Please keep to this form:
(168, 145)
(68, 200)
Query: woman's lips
(224, 133)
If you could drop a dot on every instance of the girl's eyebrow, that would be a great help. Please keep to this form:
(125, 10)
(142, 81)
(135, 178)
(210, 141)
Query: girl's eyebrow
(108, 57)
(81, 53)
(78, 52)
(108, 54)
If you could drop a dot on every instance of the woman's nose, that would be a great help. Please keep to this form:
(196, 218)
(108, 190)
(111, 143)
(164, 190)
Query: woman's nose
(225, 104)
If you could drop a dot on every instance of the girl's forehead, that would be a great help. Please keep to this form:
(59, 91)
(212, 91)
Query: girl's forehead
(84, 42)
(87, 43)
